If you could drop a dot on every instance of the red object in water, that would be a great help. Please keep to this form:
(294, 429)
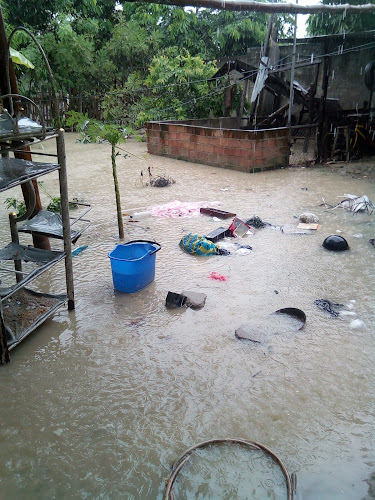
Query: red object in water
(216, 276)
(239, 228)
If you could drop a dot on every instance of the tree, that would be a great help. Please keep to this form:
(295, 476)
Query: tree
(95, 130)
(327, 24)
(179, 88)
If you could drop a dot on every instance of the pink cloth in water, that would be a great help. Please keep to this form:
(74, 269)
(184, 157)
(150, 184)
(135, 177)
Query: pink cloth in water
(181, 209)
(216, 276)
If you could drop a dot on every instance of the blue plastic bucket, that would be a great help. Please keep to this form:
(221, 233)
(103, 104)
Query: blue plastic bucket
(133, 265)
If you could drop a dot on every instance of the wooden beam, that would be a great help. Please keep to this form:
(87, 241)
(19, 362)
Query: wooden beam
(250, 5)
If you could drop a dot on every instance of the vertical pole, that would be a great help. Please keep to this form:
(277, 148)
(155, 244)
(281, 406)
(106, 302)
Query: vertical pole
(291, 94)
(4, 352)
(63, 178)
(15, 239)
(322, 153)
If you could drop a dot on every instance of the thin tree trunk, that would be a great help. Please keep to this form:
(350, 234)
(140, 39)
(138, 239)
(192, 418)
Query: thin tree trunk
(117, 191)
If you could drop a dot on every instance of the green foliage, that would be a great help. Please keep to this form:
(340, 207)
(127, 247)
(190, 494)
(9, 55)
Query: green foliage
(179, 88)
(327, 23)
(96, 131)
(143, 59)
(19, 206)
(53, 206)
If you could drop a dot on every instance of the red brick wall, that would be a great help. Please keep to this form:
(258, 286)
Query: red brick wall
(244, 150)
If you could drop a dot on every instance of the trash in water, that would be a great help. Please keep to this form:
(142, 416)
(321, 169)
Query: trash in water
(158, 181)
(291, 479)
(287, 230)
(222, 214)
(180, 209)
(78, 250)
(194, 300)
(139, 215)
(354, 203)
(162, 181)
(218, 234)
(243, 250)
(257, 222)
(253, 333)
(359, 235)
(303, 225)
(328, 306)
(196, 244)
(239, 228)
(293, 320)
(217, 276)
(175, 300)
(335, 243)
(294, 313)
(356, 324)
(308, 218)
(372, 241)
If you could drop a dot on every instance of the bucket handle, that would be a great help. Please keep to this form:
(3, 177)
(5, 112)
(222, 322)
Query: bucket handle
(145, 241)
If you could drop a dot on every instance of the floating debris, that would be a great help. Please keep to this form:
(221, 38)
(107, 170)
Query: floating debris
(335, 243)
(328, 306)
(308, 218)
(353, 203)
(293, 312)
(162, 181)
(257, 222)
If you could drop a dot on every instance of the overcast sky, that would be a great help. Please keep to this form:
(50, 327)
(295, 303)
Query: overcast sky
(302, 18)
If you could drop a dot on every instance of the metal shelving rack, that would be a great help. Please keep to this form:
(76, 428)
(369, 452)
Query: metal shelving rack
(17, 298)
(20, 313)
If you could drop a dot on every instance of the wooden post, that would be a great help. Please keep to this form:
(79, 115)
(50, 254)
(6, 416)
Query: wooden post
(322, 108)
(4, 352)
(117, 193)
(63, 177)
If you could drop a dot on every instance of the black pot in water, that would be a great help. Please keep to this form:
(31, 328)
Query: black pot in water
(294, 313)
(335, 243)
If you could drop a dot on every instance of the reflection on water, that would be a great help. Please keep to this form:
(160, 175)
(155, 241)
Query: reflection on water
(99, 403)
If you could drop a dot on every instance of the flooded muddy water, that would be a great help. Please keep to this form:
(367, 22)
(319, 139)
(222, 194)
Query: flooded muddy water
(99, 402)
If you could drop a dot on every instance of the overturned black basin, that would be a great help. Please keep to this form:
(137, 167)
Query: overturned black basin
(335, 243)
(293, 312)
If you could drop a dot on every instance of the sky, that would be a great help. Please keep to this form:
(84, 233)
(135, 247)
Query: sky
(302, 18)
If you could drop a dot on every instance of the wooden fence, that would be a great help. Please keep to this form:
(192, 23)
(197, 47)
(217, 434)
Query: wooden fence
(92, 105)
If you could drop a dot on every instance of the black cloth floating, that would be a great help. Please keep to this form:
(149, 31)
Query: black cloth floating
(328, 306)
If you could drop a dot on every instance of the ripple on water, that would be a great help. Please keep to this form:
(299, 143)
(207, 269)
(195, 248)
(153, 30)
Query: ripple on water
(101, 401)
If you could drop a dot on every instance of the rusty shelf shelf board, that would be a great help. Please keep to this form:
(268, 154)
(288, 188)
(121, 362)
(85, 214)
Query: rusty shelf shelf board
(17, 311)
(214, 212)
(14, 171)
(43, 259)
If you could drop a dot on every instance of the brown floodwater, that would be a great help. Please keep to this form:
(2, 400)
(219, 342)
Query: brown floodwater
(99, 402)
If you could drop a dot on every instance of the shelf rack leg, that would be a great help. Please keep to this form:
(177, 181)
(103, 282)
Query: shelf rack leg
(65, 217)
(4, 352)
(15, 239)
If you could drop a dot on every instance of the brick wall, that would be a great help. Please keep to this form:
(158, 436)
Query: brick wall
(244, 150)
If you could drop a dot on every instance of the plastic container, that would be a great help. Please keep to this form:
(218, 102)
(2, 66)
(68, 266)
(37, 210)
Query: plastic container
(140, 215)
(133, 265)
(239, 228)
